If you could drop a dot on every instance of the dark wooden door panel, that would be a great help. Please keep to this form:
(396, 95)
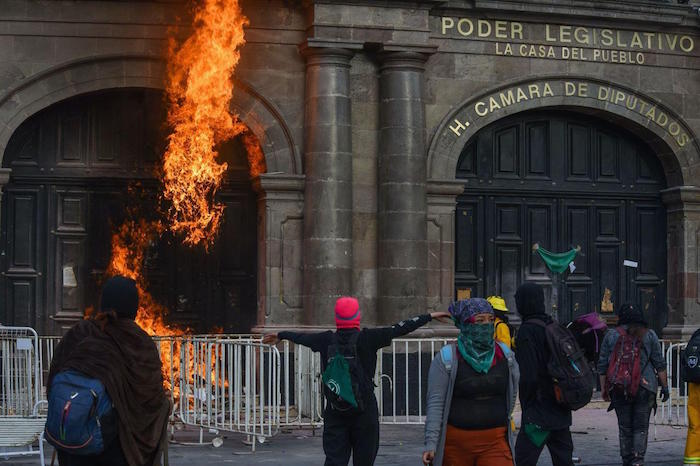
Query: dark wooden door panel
(80, 170)
(562, 180)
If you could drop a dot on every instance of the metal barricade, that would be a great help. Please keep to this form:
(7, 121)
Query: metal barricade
(401, 378)
(21, 423)
(231, 385)
(674, 411)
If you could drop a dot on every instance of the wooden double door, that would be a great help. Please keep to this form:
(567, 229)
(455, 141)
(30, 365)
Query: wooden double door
(562, 181)
(80, 170)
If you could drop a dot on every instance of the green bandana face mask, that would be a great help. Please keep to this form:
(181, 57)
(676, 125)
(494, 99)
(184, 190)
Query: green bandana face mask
(476, 345)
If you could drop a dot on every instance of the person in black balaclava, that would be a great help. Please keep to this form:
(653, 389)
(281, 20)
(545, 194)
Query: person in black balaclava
(544, 421)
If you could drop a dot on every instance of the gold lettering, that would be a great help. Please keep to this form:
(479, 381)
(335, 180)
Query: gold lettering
(620, 43)
(631, 102)
(547, 90)
(565, 34)
(651, 114)
(458, 127)
(480, 109)
(550, 52)
(447, 23)
(674, 128)
(619, 97)
(603, 93)
(649, 36)
(547, 36)
(662, 119)
(523, 50)
(583, 90)
(683, 140)
(507, 98)
(534, 90)
(643, 106)
(484, 28)
(596, 54)
(500, 29)
(516, 31)
(687, 44)
(581, 35)
(521, 95)
(493, 105)
(569, 88)
(460, 27)
(636, 41)
(671, 43)
(640, 58)
(565, 53)
(606, 37)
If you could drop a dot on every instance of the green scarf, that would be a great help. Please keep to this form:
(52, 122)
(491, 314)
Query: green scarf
(556, 262)
(476, 345)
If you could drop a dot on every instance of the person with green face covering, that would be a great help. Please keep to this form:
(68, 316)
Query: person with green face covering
(472, 387)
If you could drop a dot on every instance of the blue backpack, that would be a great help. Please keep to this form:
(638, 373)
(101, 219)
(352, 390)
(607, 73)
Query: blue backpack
(81, 419)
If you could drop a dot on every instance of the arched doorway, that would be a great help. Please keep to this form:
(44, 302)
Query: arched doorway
(561, 179)
(79, 169)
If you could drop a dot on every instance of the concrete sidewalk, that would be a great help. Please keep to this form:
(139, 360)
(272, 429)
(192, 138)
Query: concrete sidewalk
(594, 433)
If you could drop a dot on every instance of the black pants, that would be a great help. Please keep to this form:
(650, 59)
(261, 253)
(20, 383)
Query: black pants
(633, 422)
(357, 434)
(559, 443)
(112, 456)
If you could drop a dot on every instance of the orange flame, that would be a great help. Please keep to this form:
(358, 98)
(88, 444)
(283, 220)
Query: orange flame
(199, 90)
(256, 158)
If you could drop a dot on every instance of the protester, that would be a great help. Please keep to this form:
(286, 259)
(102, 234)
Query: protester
(113, 349)
(691, 361)
(355, 433)
(502, 327)
(544, 421)
(472, 389)
(632, 397)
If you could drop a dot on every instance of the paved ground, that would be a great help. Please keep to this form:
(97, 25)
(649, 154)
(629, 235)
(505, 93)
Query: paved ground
(594, 432)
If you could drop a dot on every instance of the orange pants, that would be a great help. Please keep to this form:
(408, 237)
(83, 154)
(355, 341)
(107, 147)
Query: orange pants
(488, 447)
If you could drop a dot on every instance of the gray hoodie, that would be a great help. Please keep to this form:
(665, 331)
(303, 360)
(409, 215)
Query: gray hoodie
(440, 387)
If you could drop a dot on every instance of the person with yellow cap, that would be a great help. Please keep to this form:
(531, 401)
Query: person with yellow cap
(501, 321)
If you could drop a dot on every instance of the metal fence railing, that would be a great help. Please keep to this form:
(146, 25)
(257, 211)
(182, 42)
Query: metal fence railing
(674, 411)
(288, 392)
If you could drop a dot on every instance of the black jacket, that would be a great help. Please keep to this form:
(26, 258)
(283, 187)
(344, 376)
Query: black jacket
(536, 388)
(368, 342)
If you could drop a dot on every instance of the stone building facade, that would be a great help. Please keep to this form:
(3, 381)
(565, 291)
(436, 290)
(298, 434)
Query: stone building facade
(415, 152)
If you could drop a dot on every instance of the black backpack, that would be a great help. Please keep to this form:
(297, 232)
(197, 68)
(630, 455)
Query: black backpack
(571, 375)
(349, 353)
(690, 359)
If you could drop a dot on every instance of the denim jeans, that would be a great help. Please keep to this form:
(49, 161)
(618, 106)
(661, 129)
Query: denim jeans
(633, 422)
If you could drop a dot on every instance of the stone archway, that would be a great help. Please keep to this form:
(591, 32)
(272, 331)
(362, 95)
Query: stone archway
(671, 139)
(280, 190)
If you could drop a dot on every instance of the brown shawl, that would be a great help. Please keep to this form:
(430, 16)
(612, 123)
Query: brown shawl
(124, 358)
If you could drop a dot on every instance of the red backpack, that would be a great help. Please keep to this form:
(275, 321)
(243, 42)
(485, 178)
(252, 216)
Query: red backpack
(624, 372)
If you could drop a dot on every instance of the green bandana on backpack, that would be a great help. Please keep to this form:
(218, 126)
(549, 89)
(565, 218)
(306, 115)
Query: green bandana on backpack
(337, 378)
(556, 262)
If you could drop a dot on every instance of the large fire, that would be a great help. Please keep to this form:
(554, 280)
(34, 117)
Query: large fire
(199, 90)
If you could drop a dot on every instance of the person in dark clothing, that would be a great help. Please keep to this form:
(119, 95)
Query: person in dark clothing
(633, 413)
(354, 434)
(113, 349)
(544, 421)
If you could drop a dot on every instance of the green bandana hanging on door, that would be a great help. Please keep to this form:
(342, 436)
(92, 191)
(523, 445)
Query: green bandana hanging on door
(556, 262)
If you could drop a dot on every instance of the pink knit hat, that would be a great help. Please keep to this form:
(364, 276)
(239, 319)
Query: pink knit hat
(347, 313)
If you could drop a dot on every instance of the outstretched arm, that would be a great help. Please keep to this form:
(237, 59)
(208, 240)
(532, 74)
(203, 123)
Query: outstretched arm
(382, 336)
(314, 341)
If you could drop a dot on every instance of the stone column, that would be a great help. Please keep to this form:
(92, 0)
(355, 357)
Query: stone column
(683, 225)
(402, 228)
(280, 234)
(328, 188)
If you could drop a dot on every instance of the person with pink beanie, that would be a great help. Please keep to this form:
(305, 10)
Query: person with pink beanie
(353, 432)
